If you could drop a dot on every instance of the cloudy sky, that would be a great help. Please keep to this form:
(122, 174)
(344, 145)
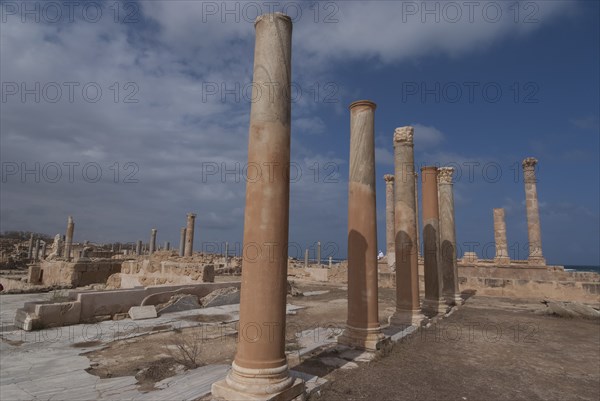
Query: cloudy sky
(127, 115)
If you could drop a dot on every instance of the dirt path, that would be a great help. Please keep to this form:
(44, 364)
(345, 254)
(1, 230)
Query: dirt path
(490, 349)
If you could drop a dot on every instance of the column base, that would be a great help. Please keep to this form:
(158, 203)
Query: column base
(536, 261)
(405, 318)
(434, 307)
(391, 261)
(502, 261)
(453, 299)
(367, 339)
(259, 385)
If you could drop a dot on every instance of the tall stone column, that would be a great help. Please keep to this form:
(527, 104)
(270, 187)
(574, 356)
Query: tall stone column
(167, 246)
(389, 221)
(226, 254)
(417, 213)
(319, 254)
(260, 370)
(408, 310)
(30, 248)
(189, 234)
(450, 289)
(152, 245)
(434, 302)
(182, 241)
(36, 250)
(43, 252)
(138, 248)
(533, 213)
(69, 238)
(306, 258)
(362, 327)
(502, 256)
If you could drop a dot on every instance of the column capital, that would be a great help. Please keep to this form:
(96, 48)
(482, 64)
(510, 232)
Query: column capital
(529, 162)
(445, 175)
(272, 16)
(154, 230)
(404, 135)
(367, 103)
(388, 178)
(192, 215)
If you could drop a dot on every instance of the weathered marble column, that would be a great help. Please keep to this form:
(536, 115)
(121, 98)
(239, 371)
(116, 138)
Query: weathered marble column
(43, 254)
(182, 241)
(408, 310)
(417, 213)
(152, 245)
(362, 327)
(319, 254)
(69, 238)
(434, 302)
(30, 248)
(226, 254)
(138, 248)
(189, 234)
(450, 289)
(306, 258)
(533, 213)
(167, 246)
(390, 233)
(330, 262)
(36, 250)
(260, 370)
(502, 256)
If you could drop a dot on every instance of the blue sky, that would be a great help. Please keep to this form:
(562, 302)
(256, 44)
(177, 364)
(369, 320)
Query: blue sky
(176, 58)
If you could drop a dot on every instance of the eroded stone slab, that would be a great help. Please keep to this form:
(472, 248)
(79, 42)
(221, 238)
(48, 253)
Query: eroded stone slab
(143, 312)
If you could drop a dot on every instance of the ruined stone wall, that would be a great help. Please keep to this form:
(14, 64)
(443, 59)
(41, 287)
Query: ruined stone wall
(79, 273)
(154, 271)
(520, 282)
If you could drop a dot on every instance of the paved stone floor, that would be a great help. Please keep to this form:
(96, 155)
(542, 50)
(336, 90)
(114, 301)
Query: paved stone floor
(489, 349)
(48, 365)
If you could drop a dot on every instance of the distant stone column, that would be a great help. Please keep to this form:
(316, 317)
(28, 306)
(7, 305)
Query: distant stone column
(330, 262)
(69, 238)
(182, 241)
(306, 258)
(433, 303)
(30, 249)
(408, 310)
(260, 370)
(362, 327)
(36, 250)
(167, 246)
(152, 245)
(43, 255)
(417, 213)
(226, 254)
(533, 213)
(390, 233)
(138, 248)
(450, 289)
(189, 234)
(502, 256)
(319, 254)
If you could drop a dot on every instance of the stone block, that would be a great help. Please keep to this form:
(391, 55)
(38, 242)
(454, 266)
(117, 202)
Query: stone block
(318, 274)
(142, 312)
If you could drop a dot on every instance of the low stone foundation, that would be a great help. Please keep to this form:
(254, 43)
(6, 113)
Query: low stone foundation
(93, 306)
